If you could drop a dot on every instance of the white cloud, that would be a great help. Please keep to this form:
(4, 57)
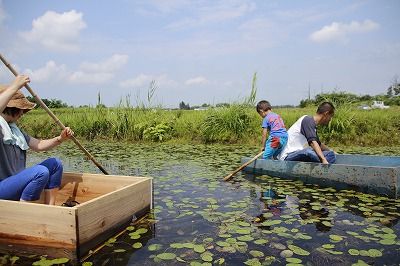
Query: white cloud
(115, 62)
(56, 31)
(88, 73)
(98, 73)
(94, 78)
(338, 31)
(196, 81)
(50, 72)
(214, 12)
(144, 80)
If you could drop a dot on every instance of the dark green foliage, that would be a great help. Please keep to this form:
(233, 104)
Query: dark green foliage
(184, 106)
(53, 103)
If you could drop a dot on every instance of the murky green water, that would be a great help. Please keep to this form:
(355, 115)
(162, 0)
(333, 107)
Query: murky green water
(254, 220)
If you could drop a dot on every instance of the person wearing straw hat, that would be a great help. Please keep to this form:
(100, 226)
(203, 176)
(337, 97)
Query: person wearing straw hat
(16, 181)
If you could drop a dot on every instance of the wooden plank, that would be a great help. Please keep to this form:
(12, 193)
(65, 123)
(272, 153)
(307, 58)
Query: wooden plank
(34, 224)
(83, 187)
(119, 206)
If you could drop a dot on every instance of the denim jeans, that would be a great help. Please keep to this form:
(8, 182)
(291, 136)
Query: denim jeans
(274, 146)
(309, 155)
(30, 182)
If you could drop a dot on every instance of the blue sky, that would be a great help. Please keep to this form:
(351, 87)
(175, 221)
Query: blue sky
(200, 51)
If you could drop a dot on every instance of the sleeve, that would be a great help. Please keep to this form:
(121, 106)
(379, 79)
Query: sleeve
(308, 129)
(265, 123)
(27, 137)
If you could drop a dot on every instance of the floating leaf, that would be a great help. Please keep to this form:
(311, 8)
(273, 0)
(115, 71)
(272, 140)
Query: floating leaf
(206, 257)
(166, 256)
(328, 246)
(360, 263)
(219, 261)
(374, 253)
(256, 253)
(299, 251)
(245, 238)
(253, 262)
(176, 245)
(387, 242)
(243, 231)
(154, 247)
(336, 238)
(222, 244)
(199, 248)
(354, 252)
(180, 259)
(293, 260)
(260, 241)
(141, 231)
(137, 245)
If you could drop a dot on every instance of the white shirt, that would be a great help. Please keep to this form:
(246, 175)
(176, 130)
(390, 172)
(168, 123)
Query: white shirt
(296, 140)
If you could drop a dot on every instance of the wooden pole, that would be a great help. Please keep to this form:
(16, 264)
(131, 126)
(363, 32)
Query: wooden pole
(43, 105)
(228, 177)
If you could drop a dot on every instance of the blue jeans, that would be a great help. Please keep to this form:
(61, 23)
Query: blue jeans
(309, 155)
(274, 146)
(30, 182)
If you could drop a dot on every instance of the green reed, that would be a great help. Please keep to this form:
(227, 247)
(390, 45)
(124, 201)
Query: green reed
(237, 123)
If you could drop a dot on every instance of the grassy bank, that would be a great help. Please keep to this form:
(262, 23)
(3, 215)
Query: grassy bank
(234, 124)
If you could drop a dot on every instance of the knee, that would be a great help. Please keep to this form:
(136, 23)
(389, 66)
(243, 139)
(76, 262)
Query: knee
(41, 172)
(331, 157)
(55, 164)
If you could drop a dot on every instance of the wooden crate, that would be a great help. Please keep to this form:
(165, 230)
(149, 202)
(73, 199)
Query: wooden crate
(107, 204)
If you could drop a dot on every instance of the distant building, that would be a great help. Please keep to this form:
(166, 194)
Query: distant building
(200, 108)
(364, 107)
(379, 105)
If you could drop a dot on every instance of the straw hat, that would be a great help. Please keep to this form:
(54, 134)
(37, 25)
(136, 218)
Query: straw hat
(18, 100)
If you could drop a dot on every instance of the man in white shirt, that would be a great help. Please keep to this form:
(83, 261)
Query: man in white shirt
(304, 144)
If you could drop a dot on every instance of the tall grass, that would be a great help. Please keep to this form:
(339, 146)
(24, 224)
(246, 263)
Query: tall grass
(235, 124)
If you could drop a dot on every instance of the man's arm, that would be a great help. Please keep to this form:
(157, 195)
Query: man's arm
(318, 151)
(324, 147)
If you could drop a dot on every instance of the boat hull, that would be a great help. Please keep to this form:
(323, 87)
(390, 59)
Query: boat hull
(371, 174)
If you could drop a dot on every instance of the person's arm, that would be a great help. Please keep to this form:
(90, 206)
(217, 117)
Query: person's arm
(318, 151)
(47, 144)
(7, 94)
(324, 147)
(264, 138)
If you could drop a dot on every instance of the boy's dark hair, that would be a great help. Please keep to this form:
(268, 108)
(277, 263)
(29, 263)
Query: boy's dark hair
(263, 106)
(326, 107)
(12, 111)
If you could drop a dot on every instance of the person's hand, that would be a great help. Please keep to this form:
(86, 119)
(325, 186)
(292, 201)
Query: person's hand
(262, 149)
(324, 161)
(66, 134)
(20, 81)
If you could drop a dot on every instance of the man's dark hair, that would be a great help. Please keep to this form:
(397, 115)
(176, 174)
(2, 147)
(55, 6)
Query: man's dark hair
(326, 107)
(263, 106)
(12, 111)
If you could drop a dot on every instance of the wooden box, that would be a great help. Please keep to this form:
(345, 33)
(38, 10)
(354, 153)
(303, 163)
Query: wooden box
(107, 204)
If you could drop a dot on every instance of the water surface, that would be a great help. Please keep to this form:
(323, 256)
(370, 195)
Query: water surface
(198, 219)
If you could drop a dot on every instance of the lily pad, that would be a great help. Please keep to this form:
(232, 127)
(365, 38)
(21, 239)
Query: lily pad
(166, 256)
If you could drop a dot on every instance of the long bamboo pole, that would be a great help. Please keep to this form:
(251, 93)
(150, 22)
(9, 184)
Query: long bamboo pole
(43, 105)
(228, 177)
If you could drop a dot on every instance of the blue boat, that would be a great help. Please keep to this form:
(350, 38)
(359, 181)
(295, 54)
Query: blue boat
(367, 173)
